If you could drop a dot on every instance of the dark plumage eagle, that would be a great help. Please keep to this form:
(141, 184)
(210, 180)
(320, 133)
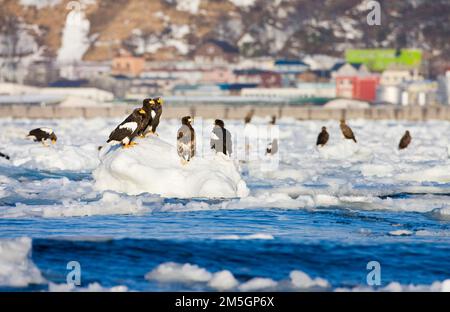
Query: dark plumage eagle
(156, 114)
(147, 106)
(128, 129)
(186, 140)
(323, 137)
(405, 141)
(221, 138)
(347, 131)
(42, 135)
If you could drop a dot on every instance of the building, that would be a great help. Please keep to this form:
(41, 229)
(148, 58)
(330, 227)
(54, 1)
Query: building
(197, 90)
(444, 88)
(262, 78)
(393, 77)
(218, 75)
(362, 88)
(127, 65)
(318, 75)
(354, 81)
(216, 52)
(303, 90)
(392, 81)
(289, 70)
(348, 69)
(419, 93)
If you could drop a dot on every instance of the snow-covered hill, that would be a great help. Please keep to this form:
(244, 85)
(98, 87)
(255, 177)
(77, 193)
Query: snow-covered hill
(287, 28)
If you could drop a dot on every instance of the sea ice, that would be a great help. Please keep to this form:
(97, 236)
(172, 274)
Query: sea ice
(16, 267)
(154, 167)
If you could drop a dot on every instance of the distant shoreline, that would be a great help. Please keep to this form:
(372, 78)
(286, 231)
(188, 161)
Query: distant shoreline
(411, 113)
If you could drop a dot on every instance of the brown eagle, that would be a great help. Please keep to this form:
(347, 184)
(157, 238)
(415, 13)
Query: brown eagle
(323, 137)
(347, 131)
(405, 141)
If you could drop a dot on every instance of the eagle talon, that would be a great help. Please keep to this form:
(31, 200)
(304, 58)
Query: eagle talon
(131, 144)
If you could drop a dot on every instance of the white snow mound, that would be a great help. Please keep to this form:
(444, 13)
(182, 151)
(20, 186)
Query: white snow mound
(153, 166)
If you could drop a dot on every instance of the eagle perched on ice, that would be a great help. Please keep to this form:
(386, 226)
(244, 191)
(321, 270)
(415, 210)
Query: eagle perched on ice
(347, 131)
(128, 129)
(323, 137)
(147, 106)
(221, 138)
(156, 114)
(186, 140)
(405, 141)
(42, 135)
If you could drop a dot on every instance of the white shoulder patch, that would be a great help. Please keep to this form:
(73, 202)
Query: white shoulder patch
(153, 113)
(129, 125)
(47, 130)
(214, 136)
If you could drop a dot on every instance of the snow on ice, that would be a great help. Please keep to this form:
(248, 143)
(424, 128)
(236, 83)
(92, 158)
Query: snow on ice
(154, 167)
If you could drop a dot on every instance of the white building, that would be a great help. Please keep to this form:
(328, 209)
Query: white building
(444, 88)
(404, 87)
(394, 77)
(349, 70)
(92, 94)
(303, 90)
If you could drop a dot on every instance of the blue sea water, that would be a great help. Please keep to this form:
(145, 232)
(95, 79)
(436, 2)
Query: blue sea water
(334, 243)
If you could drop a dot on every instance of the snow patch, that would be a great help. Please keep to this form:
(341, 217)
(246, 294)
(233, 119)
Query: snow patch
(16, 267)
(223, 280)
(190, 6)
(258, 284)
(176, 272)
(56, 157)
(243, 3)
(302, 280)
(92, 287)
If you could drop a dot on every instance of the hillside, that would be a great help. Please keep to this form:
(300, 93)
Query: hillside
(171, 29)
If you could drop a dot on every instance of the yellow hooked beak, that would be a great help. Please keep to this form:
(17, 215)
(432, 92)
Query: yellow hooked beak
(152, 102)
(53, 141)
(142, 111)
(160, 101)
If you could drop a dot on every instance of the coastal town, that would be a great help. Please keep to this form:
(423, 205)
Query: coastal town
(216, 73)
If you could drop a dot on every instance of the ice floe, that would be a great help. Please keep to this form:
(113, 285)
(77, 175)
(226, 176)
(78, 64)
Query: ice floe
(110, 203)
(154, 167)
(16, 267)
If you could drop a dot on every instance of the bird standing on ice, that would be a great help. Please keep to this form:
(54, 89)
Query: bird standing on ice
(323, 137)
(405, 141)
(156, 114)
(347, 131)
(147, 106)
(128, 129)
(250, 136)
(272, 146)
(42, 135)
(221, 138)
(186, 140)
